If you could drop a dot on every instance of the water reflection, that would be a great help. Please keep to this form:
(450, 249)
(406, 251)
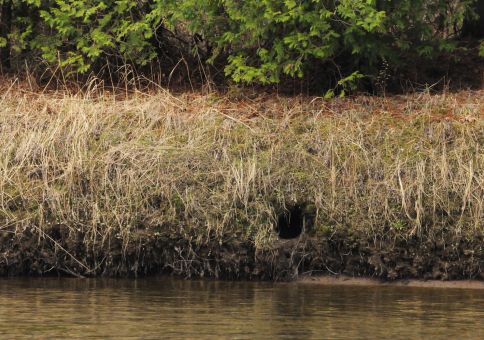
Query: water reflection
(155, 308)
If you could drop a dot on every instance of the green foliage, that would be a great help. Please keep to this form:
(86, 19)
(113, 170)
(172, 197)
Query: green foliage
(423, 27)
(268, 39)
(345, 85)
(88, 30)
(256, 41)
(264, 41)
(78, 33)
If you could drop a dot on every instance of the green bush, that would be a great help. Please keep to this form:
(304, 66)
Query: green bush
(264, 41)
(267, 39)
(256, 41)
(77, 34)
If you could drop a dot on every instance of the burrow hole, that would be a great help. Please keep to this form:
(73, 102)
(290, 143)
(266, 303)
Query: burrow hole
(290, 223)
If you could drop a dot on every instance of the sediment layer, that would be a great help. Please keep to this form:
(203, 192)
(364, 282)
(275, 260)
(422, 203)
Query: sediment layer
(29, 254)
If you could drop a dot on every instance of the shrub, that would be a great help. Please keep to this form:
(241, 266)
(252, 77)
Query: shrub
(265, 41)
(256, 41)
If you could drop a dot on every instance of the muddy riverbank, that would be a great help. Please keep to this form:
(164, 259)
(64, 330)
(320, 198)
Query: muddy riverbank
(61, 253)
(259, 187)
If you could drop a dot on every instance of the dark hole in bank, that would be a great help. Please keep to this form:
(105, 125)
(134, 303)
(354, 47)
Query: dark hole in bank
(290, 223)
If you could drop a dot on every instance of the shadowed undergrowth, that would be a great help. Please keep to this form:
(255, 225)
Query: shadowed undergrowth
(196, 184)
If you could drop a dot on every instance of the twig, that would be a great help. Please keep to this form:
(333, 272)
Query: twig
(89, 270)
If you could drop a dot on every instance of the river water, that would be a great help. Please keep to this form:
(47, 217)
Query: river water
(168, 308)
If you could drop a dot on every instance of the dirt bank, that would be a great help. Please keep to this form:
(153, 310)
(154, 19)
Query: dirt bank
(254, 188)
(61, 253)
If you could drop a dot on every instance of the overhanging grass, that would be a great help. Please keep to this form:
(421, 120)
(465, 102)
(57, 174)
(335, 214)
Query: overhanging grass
(207, 167)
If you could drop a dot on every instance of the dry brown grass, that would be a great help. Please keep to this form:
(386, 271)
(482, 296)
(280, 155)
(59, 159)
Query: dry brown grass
(207, 166)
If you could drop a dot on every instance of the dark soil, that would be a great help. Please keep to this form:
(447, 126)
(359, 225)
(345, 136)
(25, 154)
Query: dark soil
(58, 253)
